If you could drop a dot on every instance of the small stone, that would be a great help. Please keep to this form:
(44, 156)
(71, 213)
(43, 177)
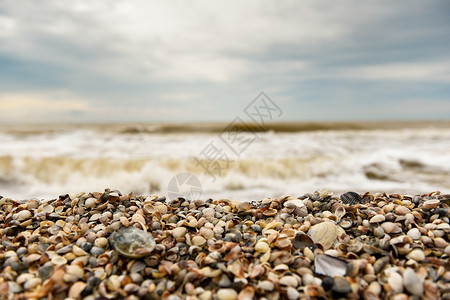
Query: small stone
(96, 251)
(45, 272)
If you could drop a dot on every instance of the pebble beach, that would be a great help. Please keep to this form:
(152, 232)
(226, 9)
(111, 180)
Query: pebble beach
(108, 245)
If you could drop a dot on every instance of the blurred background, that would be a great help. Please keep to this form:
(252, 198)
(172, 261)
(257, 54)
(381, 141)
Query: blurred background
(128, 94)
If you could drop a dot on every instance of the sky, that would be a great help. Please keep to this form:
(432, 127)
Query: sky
(170, 61)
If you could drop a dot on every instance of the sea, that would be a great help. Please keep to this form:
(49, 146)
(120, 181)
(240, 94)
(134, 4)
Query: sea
(216, 160)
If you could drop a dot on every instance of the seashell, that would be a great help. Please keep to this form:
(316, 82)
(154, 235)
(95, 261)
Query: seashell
(395, 282)
(289, 281)
(59, 260)
(283, 243)
(390, 227)
(414, 233)
(440, 242)
(416, 254)
(75, 270)
(179, 232)
(314, 291)
(22, 215)
(101, 242)
(32, 283)
(198, 240)
(262, 247)
(78, 251)
(270, 212)
(265, 257)
(444, 226)
(265, 286)
(299, 207)
(346, 223)
(302, 241)
(412, 282)
(324, 233)
(271, 225)
(226, 294)
(430, 204)
(351, 198)
(329, 266)
(402, 210)
(308, 253)
(340, 212)
(246, 293)
(207, 233)
(161, 208)
(76, 289)
(90, 202)
(132, 242)
(292, 293)
(377, 219)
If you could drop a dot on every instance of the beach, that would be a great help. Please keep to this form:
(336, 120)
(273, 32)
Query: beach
(109, 245)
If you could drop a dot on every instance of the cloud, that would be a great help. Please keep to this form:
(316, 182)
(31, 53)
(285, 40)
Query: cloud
(139, 56)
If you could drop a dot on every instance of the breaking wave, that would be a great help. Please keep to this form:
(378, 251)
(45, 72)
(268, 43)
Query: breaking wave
(48, 163)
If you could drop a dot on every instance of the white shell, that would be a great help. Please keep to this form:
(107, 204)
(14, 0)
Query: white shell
(324, 233)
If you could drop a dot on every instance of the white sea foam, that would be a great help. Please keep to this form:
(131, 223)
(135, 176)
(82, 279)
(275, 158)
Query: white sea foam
(47, 164)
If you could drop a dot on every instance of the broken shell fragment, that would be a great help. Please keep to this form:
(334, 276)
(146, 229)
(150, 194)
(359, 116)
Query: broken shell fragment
(329, 266)
(132, 242)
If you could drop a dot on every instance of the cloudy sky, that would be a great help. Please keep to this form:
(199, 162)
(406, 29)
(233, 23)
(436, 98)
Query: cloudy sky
(133, 60)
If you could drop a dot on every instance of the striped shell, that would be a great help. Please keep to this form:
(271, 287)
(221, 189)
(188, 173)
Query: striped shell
(351, 198)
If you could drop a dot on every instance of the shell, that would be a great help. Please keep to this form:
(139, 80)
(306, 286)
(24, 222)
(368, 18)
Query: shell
(430, 204)
(329, 266)
(324, 233)
(412, 282)
(416, 254)
(226, 294)
(395, 281)
(76, 289)
(351, 198)
(390, 227)
(132, 242)
(377, 219)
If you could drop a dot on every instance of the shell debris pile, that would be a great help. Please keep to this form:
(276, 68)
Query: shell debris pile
(317, 246)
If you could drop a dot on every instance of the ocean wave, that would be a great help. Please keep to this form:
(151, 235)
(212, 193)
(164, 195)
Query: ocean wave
(405, 160)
